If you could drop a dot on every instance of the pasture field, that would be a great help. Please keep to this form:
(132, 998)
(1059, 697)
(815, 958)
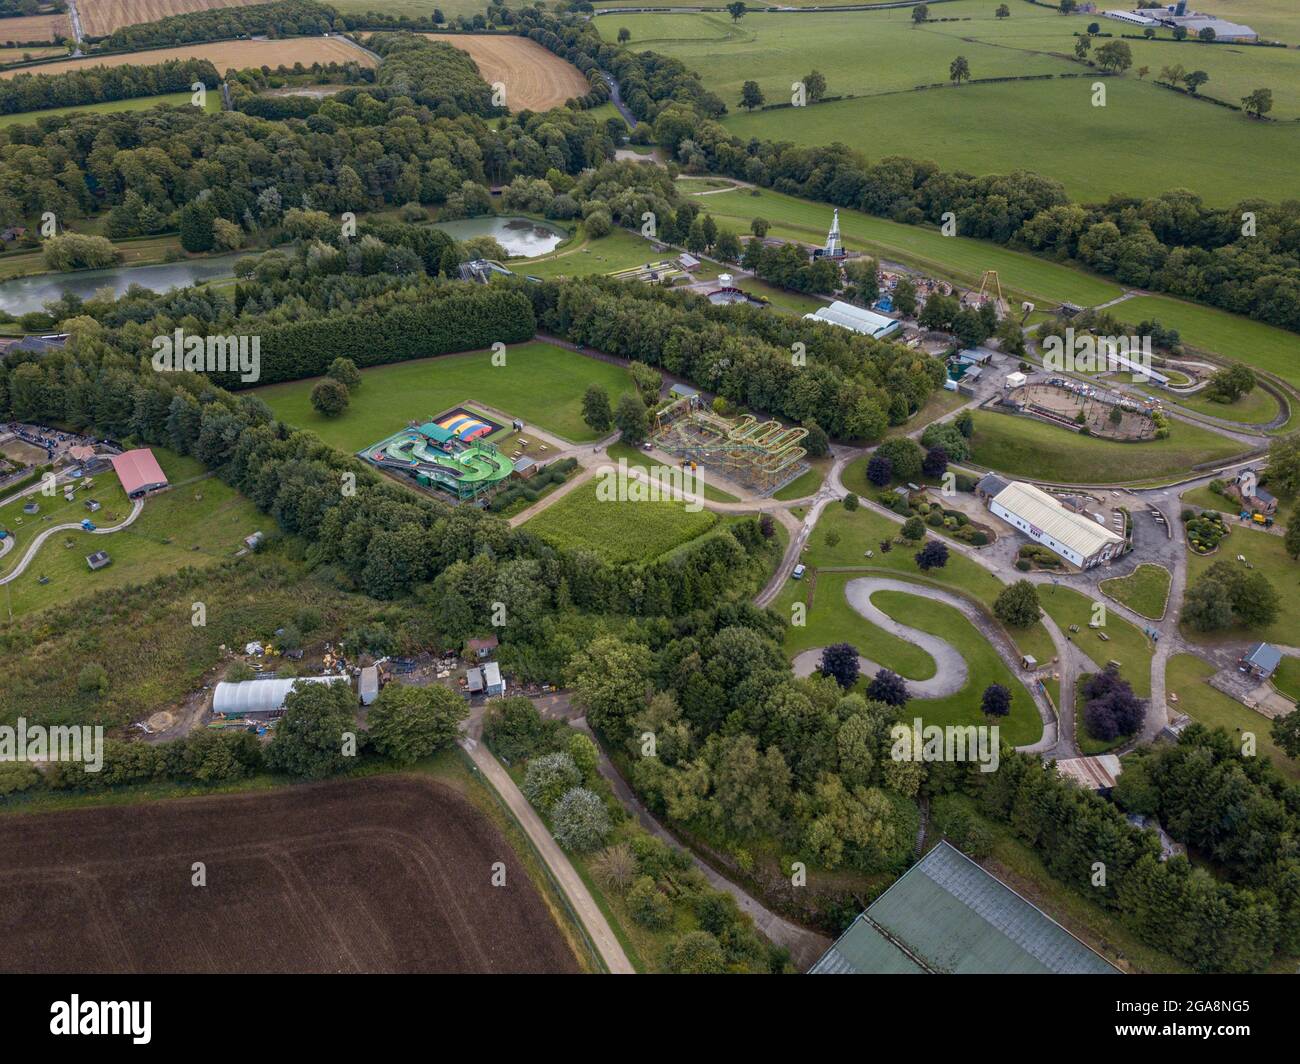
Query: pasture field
(1220, 332)
(1050, 127)
(1145, 590)
(99, 18)
(1126, 644)
(956, 258)
(619, 531)
(22, 55)
(225, 55)
(534, 79)
(83, 891)
(200, 521)
(1267, 553)
(211, 104)
(1025, 447)
(539, 383)
(34, 28)
(1186, 676)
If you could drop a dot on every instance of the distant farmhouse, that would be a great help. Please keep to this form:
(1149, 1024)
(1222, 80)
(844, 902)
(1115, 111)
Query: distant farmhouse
(946, 915)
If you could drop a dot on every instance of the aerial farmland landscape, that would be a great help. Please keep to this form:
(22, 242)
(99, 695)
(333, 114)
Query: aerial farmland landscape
(589, 488)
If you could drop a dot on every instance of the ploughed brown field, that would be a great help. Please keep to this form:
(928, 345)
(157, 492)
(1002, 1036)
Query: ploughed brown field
(26, 28)
(224, 55)
(99, 18)
(535, 79)
(388, 874)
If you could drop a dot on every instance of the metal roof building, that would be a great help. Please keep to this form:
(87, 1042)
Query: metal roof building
(847, 316)
(368, 684)
(1263, 659)
(139, 472)
(1076, 538)
(260, 697)
(946, 915)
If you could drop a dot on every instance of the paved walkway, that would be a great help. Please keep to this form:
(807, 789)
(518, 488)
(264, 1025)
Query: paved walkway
(22, 565)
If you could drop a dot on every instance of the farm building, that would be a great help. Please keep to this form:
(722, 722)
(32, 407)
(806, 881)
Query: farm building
(946, 915)
(260, 698)
(1076, 538)
(847, 316)
(139, 472)
(474, 681)
(482, 648)
(493, 685)
(1262, 660)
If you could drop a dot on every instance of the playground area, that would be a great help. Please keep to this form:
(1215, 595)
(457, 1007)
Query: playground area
(1061, 400)
(452, 452)
(762, 456)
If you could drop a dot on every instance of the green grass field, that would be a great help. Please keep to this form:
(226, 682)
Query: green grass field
(1022, 446)
(539, 383)
(1287, 678)
(212, 104)
(582, 256)
(1125, 644)
(199, 522)
(619, 531)
(1134, 143)
(1267, 553)
(1144, 591)
(956, 258)
(1230, 335)
(1256, 407)
(1186, 677)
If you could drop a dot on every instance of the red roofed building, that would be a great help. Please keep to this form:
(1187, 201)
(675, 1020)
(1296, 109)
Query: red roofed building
(139, 472)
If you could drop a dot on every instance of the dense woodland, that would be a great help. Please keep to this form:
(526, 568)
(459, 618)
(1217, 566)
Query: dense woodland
(36, 91)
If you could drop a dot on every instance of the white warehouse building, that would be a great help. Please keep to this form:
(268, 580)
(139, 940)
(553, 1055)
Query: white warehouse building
(1075, 537)
(847, 316)
(260, 698)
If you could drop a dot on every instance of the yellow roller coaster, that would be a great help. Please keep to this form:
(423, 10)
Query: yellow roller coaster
(759, 455)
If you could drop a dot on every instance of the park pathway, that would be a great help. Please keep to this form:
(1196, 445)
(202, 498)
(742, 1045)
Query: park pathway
(26, 560)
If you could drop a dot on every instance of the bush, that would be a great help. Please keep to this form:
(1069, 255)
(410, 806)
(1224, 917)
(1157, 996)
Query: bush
(580, 820)
(549, 778)
(648, 906)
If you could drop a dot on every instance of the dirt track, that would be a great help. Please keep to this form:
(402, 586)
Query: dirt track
(224, 55)
(535, 79)
(390, 874)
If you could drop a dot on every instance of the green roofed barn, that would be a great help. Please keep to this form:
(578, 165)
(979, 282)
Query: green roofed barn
(947, 915)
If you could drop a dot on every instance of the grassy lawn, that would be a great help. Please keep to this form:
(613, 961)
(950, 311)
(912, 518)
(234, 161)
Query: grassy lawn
(1287, 678)
(637, 457)
(1257, 407)
(582, 256)
(199, 522)
(619, 531)
(1124, 644)
(211, 104)
(957, 258)
(939, 403)
(540, 383)
(1186, 677)
(1023, 725)
(805, 483)
(1145, 590)
(830, 619)
(1025, 447)
(1207, 500)
(1268, 555)
(1230, 335)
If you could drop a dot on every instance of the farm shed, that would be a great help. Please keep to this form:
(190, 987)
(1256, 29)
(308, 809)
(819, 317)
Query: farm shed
(946, 915)
(139, 472)
(260, 698)
(493, 685)
(1262, 660)
(368, 685)
(482, 648)
(474, 681)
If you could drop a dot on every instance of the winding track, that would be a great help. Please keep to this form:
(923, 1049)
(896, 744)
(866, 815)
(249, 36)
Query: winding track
(136, 508)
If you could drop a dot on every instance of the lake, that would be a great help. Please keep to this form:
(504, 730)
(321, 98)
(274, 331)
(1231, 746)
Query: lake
(22, 294)
(519, 236)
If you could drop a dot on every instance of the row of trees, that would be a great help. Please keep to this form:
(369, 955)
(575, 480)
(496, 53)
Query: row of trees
(283, 18)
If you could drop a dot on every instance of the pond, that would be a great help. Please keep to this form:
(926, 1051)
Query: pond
(23, 294)
(519, 236)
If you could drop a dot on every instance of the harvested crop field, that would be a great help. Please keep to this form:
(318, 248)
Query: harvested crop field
(99, 18)
(26, 28)
(386, 874)
(225, 54)
(535, 79)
